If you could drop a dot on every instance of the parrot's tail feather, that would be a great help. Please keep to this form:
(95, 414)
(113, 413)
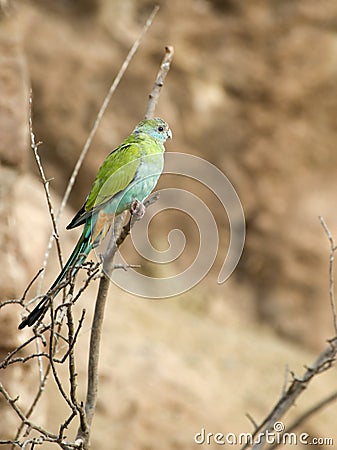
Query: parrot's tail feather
(37, 312)
(77, 258)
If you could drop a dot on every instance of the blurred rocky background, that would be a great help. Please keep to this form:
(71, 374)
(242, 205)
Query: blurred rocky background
(253, 90)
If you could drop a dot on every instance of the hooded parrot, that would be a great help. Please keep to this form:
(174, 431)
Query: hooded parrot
(130, 172)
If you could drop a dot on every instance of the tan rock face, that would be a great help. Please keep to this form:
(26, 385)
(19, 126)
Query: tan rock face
(14, 104)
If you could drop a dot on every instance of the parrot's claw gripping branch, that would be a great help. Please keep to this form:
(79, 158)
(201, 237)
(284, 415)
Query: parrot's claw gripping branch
(137, 210)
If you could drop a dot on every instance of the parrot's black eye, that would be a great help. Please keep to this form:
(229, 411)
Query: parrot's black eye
(160, 128)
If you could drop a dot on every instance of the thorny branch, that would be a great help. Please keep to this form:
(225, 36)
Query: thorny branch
(333, 248)
(34, 147)
(158, 84)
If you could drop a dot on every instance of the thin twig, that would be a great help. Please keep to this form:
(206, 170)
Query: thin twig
(12, 301)
(34, 147)
(158, 84)
(73, 342)
(251, 420)
(66, 424)
(72, 368)
(8, 441)
(331, 274)
(31, 283)
(53, 368)
(4, 363)
(286, 379)
(24, 359)
(92, 276)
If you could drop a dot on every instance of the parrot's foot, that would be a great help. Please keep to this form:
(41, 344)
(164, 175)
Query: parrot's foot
(137, 210)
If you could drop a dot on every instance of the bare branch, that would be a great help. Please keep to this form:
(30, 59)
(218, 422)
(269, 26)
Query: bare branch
(72, 368)
(24, 359)
(66, 424)
(331, 274)
(10, 355)
(74, 339)
(158, 84)
(251, 420)
(53, 368)
(34, 147)
(10, 302)
(286, 379)
(31, 283)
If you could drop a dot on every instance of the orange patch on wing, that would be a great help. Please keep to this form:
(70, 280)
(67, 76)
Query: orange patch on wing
(101, 226)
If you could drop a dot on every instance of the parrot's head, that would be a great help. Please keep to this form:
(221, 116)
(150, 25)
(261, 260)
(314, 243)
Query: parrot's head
(157, 128)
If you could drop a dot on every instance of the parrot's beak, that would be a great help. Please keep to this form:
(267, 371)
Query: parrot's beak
(169, 134)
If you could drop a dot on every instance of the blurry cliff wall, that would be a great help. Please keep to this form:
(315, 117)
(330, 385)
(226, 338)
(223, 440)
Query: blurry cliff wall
(252, 90)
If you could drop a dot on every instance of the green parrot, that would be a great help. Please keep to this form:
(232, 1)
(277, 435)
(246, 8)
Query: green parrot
(129, 173)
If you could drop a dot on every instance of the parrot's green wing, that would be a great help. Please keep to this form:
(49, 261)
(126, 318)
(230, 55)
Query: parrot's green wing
(114, 175)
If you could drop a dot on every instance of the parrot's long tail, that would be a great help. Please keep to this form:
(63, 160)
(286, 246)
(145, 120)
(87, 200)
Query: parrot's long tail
(77, 258)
